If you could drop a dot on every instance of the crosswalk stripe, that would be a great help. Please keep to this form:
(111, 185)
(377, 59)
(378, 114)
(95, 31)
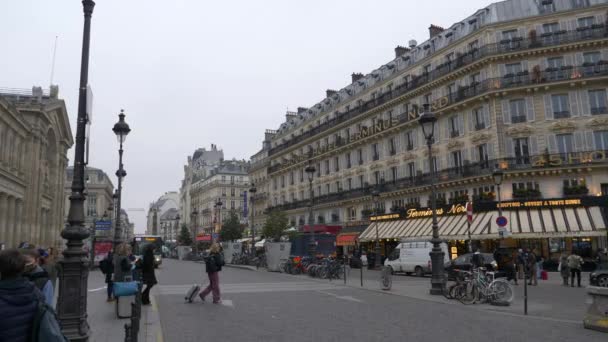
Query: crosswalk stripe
(251, 288)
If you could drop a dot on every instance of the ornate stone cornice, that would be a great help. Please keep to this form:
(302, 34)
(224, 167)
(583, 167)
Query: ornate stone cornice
(434, 149)
(480, 138)
(563, 126)
(375, 166)
(596, 123)
(520, 130)
(392, 161)
(409, 156)
(455, 144)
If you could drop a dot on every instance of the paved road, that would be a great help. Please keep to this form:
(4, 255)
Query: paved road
(260, 306)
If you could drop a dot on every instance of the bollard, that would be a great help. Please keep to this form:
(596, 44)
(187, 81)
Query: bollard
(127, 332)
(361, 274)
(597, 314)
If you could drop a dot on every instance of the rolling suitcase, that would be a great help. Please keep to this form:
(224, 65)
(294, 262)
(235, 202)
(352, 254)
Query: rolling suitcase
(192, 292)
(123, 306)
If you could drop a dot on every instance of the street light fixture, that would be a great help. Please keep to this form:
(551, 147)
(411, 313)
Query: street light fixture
(378, 259)
(121, 129)
(310, 171)
(498, 175)
(252, 191)
(427, 120)
(194, 214)
(73, 279)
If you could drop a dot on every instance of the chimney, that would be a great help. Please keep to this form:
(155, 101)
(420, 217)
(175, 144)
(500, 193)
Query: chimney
(302, 110)
(356, 76)
(400, 50)
(290, 116)
(330, 92)
(435, 30)
(412, 43)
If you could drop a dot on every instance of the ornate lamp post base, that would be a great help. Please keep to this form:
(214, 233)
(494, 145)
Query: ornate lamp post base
(437, 277)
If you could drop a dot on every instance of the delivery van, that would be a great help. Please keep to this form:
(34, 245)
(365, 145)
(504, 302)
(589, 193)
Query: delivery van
(414, 257)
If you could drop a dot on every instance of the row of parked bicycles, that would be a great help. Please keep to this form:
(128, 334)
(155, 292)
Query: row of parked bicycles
(479, 285)
(249, 259)
(327, 268)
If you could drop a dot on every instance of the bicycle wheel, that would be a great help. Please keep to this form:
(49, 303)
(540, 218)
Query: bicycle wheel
(469, 294)
(447, 291)
(282, 267)
(501, 291)
(457, 291)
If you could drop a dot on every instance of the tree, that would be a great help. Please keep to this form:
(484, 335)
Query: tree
(231, 228)
(185, 236)
(276, 223)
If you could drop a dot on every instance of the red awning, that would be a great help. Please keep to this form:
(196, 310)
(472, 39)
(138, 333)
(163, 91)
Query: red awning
(321, 228)
(348, 239)
(204, 238)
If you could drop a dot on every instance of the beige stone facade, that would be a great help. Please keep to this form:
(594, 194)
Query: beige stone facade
(258, 175)
(35, 136)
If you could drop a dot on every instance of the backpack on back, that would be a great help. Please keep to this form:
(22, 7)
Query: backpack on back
(45, 327)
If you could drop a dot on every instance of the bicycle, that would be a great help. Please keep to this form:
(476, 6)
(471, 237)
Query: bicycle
(386, 278)
(494, 291)
(456, 290)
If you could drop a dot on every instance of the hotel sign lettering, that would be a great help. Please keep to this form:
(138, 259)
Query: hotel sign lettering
(456, 209)
(563, 159)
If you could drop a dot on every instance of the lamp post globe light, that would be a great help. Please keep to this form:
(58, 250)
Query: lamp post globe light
(427, 120)
(310, 171)
(72, 300)
(121, 129)
(252, 191)
(378, 258)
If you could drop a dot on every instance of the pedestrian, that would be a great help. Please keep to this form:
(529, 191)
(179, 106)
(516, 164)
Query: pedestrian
(531, 272)
(49, 264)
(602, 259)
(38, 275)
(122, 264)
(563, 268)
(22, 304)
(575, 263)
(147, 273)
(539, 265)
(106, 266)
(520, 263)
(213, 265)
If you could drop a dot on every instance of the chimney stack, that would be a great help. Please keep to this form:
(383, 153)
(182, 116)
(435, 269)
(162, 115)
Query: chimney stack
(435, 30)
(412, 43)
(302, 110)
(330, 92)
(356, 76)
(400, 50)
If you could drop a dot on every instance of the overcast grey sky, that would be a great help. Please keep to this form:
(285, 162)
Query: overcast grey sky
(194, 72)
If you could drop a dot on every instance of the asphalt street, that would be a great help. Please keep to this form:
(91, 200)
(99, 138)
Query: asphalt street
(263, 306)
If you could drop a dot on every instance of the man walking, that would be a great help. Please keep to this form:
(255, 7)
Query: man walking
(532, 268)
(574, 264)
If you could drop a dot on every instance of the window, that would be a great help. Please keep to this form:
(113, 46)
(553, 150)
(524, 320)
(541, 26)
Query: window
(361, 181)
(601, 140)
(224, 192)
(409, 140)
(319, 190)
(348, 161)
(232, 192)
(517, 110)
(585, 22)
(522, 151)
(301, 175)
(327, 166)
(591, 57)
(547, 6)
(338, 186)
(550, 28)
(555, 62)
(375, 152)
(231, 179)
(411, 169)
(360, 156)
(456, 159)
(318, 169)
(391, 146)
(394, 174)
(482, 155)
(561, 106)
(509, 34)
(580, 3)
(232, 206)
(473, 46)
(377, 177)
(291, 178)
(453, 122)
(349, 184)
(347, 133)
(92, 205)
(282, 181)
(564, 143)
(337, 164)
(451, 88)
(327, 188)
(274, 184)
(512, 69)
(597, 101)
(478, 119)
(426, 69)
(449, 57)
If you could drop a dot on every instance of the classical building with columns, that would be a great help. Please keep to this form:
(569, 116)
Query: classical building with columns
(520, 85)
(35, 136)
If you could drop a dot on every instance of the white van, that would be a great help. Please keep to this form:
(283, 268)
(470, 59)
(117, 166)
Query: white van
(413, 257)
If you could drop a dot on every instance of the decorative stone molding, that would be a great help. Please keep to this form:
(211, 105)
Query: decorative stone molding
(480, 138)
(348, 173)
(455, 144)
(563, 126)
(408, 156)
(435, 151)
(375, 166)
(520, 130)
(360, 171)
(392, 161)
(596, 123)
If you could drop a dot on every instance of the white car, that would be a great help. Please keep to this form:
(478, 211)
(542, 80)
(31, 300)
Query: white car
(364, 260)
(414, 257)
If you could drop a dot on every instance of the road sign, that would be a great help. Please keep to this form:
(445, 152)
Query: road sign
(103, 225)
(501, 221)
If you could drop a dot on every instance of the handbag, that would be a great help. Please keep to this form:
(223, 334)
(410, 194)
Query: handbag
(125, 288)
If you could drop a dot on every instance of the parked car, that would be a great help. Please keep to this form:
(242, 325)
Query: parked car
(463, 262)
(413, 257)
(599, 278)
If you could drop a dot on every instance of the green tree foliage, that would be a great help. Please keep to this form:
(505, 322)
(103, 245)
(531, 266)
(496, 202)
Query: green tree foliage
(185, 236)
(231, 228)
(276, 223)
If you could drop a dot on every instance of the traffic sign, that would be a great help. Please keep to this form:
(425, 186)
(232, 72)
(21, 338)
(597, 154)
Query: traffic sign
(501, 221)
(103, 225)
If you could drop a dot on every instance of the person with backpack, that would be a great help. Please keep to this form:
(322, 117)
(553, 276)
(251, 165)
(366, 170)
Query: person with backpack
(38, 275)
(575, 263)
(122, 263)
(147, 274)
(24, 314)
(213, 265)
(107, 268)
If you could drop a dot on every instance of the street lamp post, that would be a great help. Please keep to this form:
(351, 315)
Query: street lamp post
(310, 171)
(121, 129)
(427, 120)
(194, 214)
(498, 175)
(252, 191)
(219, 219)
(73, 278)
(376, 197)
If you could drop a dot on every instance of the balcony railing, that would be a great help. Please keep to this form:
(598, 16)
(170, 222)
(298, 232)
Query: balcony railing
(518, 119)
(564, 114)
(475, 169)
(557, 38)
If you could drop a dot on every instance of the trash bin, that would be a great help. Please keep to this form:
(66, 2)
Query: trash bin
(597, 314)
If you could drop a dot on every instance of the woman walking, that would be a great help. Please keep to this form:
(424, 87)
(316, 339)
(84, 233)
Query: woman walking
(213, 265)
(122, 263)
(147, 274)
(563, 268)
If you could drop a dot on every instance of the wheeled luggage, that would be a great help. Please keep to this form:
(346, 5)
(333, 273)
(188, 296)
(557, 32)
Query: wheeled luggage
(123, 306)
(192, 292)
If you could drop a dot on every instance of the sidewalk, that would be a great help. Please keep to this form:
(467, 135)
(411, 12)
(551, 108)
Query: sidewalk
(106, 327)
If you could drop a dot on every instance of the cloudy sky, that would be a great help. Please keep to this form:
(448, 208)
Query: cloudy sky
(190, 73)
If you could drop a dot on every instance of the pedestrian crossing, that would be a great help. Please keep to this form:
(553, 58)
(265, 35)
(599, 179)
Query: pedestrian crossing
(251, 287)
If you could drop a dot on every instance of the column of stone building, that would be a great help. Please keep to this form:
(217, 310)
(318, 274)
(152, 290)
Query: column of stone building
(3, 212)
(18, 232)
(10, 222)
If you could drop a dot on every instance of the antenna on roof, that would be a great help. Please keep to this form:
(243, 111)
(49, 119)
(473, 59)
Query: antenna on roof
(53, 63)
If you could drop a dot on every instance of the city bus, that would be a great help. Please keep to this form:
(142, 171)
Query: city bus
(141, 241)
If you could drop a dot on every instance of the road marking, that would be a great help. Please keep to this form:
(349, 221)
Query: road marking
(349, 298)
(253, 287)
(227, 302)
(98, 289)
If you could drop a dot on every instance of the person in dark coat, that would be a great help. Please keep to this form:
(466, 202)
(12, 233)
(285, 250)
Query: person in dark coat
(19, 298)
(147, 274)
(107, 267)
(213, 265)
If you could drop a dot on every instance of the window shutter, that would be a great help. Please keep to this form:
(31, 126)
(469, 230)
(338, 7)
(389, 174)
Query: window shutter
(486, 115)
(585, 106)
(506, 115)
(548, 107)
(573, 99)
(578, 58)
(552, 143)
(461, 124)
(590, 144)
(533, 145)
(579, 141)
(530, 108)
(491, 154)
(509, 148)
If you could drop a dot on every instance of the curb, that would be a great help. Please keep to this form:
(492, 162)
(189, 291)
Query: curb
(243, 267)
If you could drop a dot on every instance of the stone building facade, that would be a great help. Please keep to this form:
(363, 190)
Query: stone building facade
(166, 202)
(99, 189)
(520, 85)
(258, 175)
(35, 136)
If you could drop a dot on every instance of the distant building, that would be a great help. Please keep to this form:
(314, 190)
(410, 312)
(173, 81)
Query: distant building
(35, 135)
(170, 200)
(258, 176)
(169, 225)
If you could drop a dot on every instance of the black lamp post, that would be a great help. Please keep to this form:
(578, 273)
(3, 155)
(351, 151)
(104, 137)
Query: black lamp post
(378, 259)
(252, 192)
(427, 120)
(498, 175)
(310, 171)
(73, 278)
(194, 214)
(121, 129)
(219, 219)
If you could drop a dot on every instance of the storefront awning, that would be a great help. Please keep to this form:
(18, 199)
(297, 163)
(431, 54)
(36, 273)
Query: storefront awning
(346, 239)
(523, 223)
